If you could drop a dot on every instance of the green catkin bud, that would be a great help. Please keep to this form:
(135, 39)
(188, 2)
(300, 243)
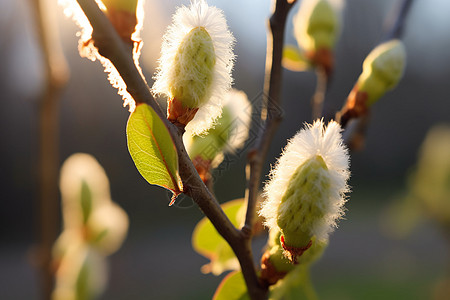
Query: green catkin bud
(81, 272)
(195, 66)
(228, 135)
(306, 191)
(84, 186)
(208, 145)
(431, 181)
(205, 148)
(107, 228)
(316, 28)
(316, 25)
(275, 265)
(193, 69)
(302, 205)
(382, 70)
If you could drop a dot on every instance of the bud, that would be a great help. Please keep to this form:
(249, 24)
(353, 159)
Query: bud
(316, 26)
(82, 274)
(228, 135)
(84, 186)
(431, 182)
(195, 66)
(87, 205)
(122, 14)
(275, 265)
(107, 228)
(306, 191)
(382, 70)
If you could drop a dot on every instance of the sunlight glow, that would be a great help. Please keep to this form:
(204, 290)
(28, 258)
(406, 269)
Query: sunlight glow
(87, 49)
(136, 36)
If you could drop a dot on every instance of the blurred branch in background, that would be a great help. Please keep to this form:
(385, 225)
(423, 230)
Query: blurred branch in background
(56, 76)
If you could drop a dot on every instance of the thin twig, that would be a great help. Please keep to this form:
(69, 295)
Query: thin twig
(271, 113)
(111, 46)
(319, 94)
(56, 75)
(354, 135)
(396, 22)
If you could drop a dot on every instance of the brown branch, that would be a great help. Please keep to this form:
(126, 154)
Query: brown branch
(396, 23)
(56, 76)
(319, 94)
(271, 114)
(354, 135)
(111, 46)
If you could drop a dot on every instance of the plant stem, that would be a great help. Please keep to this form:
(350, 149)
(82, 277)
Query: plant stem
(56, 75)
(354, 134)
(396, 23)
(319, 94)
(111, 47)
(271, 113)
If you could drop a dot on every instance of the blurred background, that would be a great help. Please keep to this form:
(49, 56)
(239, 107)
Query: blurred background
(365, 260)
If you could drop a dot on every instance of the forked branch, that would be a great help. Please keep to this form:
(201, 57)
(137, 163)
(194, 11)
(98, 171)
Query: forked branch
(110, 46)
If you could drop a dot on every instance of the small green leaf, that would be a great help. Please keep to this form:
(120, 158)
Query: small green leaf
(295, 286)
(91, 276)
(152, 149)
(207, 241)
(83, 281)
(86, 200)
(294, 60)
(232, 287)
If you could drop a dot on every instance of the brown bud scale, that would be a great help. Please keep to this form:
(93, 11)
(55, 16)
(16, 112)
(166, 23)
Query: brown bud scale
(269, 274)
(292, 253)
(178, 114)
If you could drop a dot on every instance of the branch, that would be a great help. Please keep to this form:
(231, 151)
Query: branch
(355, 131)
(396, 22)
(56, 76)
(111, 46)
(271, 113)
(319, 94)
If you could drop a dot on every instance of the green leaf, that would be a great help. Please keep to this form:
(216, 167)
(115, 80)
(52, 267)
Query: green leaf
(295, 286)
(294, 59)
(232, 287)
(207, 241)
(152, 149)
(86, 201)
(91, 275)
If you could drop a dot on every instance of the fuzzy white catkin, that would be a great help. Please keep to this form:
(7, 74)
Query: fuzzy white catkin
(315, 139)
(87, 49)
(79, 168)
(212, 19)
(232, 128)
(317, 23)
(241, 110)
